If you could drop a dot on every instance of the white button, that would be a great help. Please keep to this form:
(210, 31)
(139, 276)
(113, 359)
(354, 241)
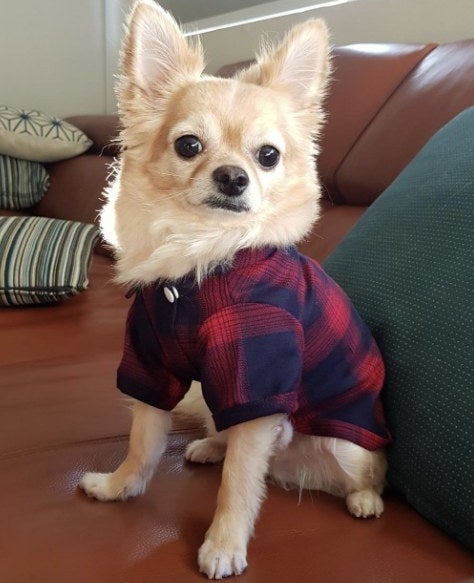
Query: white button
(171, 294)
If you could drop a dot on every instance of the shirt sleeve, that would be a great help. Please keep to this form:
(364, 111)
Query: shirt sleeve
(142, 373)
(251, 358)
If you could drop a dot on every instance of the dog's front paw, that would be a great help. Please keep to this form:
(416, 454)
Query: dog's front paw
(109, 487)
(217, 562)
(205, 451)
(97, 485)
(364, 504)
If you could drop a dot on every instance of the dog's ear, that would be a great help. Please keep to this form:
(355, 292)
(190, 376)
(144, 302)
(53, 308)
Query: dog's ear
(155, 53)
(300, 65)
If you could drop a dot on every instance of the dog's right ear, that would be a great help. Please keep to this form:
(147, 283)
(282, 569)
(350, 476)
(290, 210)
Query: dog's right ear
(155, 54)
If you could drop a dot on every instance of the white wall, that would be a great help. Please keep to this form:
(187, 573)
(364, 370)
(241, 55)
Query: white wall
(52, 55)
(355, 21)
(60, 56)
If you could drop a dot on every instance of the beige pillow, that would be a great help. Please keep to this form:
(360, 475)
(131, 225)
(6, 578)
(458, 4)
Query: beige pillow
(32, 135)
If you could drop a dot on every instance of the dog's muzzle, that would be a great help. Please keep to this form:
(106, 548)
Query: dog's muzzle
(231, 182)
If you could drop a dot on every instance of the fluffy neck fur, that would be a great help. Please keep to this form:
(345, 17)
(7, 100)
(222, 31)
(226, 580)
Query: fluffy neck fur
(181, 245)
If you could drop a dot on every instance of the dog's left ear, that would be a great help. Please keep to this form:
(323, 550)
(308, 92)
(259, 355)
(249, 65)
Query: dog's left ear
(300, 65)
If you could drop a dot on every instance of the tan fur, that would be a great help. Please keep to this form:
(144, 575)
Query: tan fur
(161, 225)
(154, 211)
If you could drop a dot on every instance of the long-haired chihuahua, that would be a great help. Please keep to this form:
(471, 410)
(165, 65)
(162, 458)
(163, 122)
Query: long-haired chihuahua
(215, 186)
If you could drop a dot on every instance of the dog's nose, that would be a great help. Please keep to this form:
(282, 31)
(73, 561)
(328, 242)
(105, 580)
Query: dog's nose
(231, 180)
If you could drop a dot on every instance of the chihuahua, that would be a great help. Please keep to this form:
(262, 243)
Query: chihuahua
(215, 185)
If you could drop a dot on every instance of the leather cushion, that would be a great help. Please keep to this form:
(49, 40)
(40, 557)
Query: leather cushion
(408, 267)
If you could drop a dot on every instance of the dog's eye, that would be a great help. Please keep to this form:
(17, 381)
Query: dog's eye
(268, 156)
(188, 146)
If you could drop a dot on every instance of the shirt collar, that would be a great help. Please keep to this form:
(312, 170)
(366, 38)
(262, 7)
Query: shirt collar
(248, 257)
(243, 259)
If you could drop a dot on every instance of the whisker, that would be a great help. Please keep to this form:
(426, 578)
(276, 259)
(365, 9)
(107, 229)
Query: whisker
(176, 175)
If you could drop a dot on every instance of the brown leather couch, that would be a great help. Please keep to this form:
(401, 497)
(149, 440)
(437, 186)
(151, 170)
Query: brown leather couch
(61, 415)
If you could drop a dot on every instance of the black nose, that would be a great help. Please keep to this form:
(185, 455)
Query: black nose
(231, 180)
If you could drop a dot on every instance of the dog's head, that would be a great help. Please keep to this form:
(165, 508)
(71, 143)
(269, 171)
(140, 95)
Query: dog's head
(211, 165)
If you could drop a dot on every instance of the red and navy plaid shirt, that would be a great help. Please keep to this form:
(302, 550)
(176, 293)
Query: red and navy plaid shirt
(272, 334)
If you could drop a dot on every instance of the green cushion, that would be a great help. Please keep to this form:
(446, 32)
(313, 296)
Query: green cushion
(34, 135)
(408, 266)
(43, 260)
(22, 183)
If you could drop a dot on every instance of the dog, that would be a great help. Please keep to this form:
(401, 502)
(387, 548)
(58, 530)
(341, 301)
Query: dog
(215, 185)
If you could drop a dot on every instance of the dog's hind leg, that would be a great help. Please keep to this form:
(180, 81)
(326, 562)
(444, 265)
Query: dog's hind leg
(365, 479)
(336, 466)
(210, 450)
(249, 448)
(148, 436)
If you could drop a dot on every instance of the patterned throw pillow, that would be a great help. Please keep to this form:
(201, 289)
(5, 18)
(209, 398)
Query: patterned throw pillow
(32, 135)
(43, 260)
(22, 183)
(408, 266)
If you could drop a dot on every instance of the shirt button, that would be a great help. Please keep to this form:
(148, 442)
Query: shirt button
(171, 294)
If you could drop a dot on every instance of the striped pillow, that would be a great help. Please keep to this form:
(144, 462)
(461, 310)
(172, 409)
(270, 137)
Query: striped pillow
(22, 183)
(43, 260)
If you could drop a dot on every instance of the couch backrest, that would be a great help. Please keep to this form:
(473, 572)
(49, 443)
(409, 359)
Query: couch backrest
(364, 77)
(385, 102)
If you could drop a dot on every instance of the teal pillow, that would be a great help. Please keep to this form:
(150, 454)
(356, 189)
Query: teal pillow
(43, 260)
(22, 183)
(408, 266)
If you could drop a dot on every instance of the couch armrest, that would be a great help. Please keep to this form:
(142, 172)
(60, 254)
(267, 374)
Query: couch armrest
(103, 130)
(75, 191)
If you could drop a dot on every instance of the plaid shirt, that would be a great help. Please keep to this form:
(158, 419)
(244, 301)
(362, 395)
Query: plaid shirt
(272, 334)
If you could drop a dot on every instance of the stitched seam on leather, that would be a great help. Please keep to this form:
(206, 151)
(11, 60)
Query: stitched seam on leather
(431, 47)
(16, 453)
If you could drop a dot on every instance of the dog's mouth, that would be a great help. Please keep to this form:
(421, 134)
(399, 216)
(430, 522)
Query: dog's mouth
(234, 206)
